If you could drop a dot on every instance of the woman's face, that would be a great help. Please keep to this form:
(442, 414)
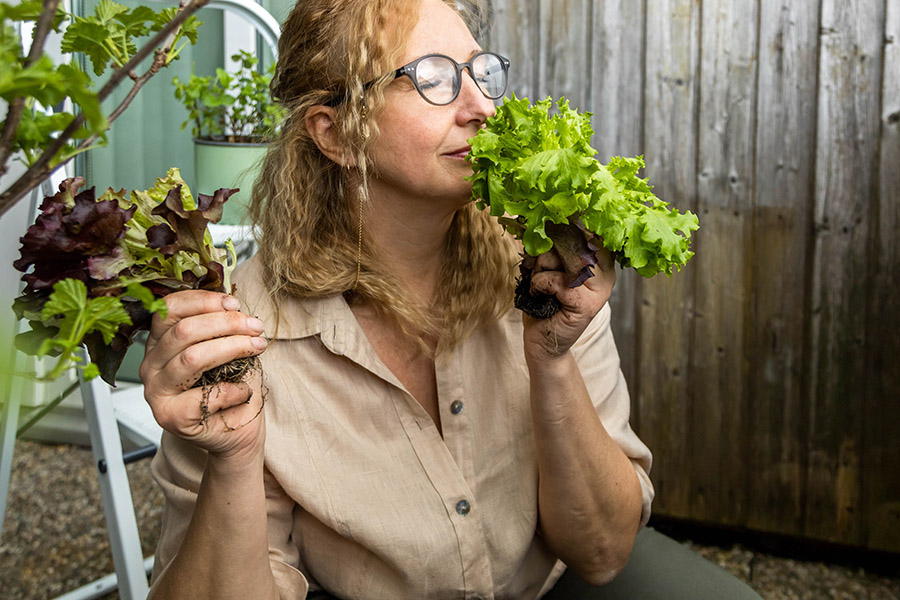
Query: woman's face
(420, 153)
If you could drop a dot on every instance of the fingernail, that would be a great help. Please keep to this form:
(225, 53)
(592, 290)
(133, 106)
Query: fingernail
(259, 343)
(231, 303)
(254, 324)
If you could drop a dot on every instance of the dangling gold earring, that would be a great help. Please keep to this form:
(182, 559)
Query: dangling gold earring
(359, 242)
(364, 113)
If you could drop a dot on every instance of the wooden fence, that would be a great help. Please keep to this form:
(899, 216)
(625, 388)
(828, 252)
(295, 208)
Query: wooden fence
(765, 375)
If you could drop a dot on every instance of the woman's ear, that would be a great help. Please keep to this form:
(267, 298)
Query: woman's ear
(320, 124)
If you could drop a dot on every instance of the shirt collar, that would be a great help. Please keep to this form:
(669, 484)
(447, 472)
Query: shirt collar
(328, 318)
(298, 317)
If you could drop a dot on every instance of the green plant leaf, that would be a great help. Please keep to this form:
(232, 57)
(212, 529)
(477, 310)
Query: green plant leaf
(106, 10)
(30, 10)
(137, 22)
(90, 372)
(76, 315)
(79, 90)
(537, 170)
(89, 36)
(147, 299)
(108, 36)
(188, 29)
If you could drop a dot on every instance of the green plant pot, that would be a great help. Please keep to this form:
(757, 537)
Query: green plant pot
(220, 164)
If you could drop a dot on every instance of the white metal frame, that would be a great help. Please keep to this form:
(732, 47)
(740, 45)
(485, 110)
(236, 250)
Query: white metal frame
(131, 568)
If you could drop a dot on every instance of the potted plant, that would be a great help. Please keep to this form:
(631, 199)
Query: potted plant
(232, 117)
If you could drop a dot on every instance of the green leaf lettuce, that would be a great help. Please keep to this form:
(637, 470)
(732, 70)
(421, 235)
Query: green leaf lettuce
(537, 174)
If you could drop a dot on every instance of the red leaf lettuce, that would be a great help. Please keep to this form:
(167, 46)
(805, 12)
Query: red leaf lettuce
(95, 269)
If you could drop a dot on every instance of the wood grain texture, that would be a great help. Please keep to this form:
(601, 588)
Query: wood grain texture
(721, 269)
(663, 397)
(516, 35)
(846, 194)
(616, 92)
(881, 456)
(564, 68)
(782, 213)
(478, 16)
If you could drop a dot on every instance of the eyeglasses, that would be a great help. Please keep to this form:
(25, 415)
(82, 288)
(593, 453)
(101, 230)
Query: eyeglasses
(438, 78)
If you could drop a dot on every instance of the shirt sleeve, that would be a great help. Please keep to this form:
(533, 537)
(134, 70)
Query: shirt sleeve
(178, 468)
(598, 360)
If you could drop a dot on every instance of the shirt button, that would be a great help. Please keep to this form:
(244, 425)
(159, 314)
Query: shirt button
(463, 508)
(456, 407)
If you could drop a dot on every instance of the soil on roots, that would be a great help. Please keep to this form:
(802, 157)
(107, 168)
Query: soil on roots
(536, 305)
(232, 372)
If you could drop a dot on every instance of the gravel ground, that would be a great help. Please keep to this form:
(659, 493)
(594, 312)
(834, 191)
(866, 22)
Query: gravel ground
(779, 578)
(54, 537)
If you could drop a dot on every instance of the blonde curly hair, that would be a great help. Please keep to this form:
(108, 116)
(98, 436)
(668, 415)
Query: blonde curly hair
(311, 233)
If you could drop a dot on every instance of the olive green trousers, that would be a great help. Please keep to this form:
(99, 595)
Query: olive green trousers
(659, 569)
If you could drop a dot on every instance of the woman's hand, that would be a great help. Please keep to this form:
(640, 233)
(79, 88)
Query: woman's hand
(552, 338)
(204, 330)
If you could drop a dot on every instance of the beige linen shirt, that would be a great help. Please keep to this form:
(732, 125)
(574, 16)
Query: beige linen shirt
(364, 497)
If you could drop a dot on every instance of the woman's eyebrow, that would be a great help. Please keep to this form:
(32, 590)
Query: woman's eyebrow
(468, 56)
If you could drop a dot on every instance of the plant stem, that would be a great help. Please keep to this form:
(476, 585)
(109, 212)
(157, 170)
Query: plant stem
(43, 411)
(199, 123)
(42, 168)
(14, 113)
(68, 347)
(138, 84)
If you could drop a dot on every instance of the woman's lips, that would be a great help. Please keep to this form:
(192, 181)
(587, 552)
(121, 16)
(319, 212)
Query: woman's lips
(460, 153)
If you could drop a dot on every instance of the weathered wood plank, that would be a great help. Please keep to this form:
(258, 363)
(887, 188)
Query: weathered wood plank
(663, 397)
(563, 64)
(785, 160)
(515, 33)
(617, 78)
(617, 103)
(722, 266)
(846, 195)
(478, 15)
(881, 477)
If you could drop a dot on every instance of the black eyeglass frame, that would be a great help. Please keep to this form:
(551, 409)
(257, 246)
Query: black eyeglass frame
(409, 70)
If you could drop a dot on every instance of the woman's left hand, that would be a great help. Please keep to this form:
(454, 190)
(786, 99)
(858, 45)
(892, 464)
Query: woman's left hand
(552, 338)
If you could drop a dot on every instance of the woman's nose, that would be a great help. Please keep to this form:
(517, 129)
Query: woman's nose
(474, 104)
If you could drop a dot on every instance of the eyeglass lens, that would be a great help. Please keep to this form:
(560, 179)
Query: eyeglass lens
(438, 77)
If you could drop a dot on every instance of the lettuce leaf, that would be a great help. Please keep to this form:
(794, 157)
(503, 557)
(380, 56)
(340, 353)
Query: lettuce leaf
(96, 269)
(537, 174)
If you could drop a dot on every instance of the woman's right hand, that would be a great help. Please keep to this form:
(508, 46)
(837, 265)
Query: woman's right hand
(203, 330)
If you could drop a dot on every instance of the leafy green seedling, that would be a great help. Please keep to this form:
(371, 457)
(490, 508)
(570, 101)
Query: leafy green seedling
(537, 174)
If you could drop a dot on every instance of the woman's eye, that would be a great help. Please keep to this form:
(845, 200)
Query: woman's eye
(429, 84)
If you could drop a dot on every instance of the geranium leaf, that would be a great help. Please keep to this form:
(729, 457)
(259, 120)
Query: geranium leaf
(147, 299)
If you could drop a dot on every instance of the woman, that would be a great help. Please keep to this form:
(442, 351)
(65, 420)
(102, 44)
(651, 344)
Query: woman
(419, 439)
